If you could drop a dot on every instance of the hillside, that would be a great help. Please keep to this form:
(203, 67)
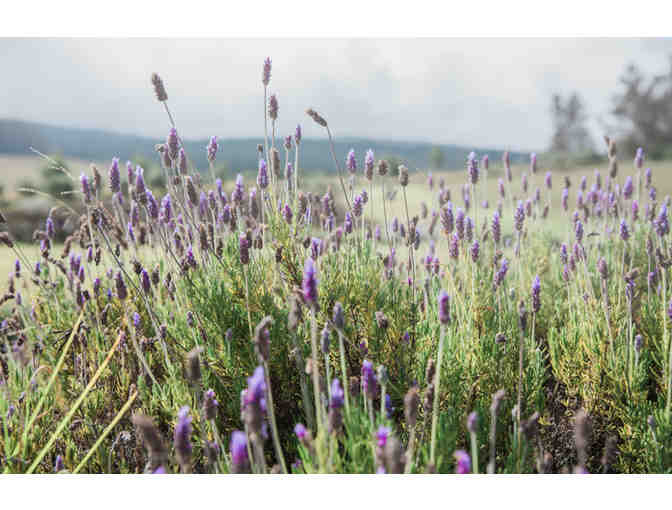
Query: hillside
(238, 154)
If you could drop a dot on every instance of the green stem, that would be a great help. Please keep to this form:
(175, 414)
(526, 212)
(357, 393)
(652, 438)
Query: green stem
(435, 406)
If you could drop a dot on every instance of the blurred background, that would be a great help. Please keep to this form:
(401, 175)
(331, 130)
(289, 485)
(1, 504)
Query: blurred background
(424, 102)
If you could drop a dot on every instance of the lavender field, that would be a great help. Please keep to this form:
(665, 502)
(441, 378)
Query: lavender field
(506, 318)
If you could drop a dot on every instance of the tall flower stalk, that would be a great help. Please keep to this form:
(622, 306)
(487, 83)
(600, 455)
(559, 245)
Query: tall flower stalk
(444, 319)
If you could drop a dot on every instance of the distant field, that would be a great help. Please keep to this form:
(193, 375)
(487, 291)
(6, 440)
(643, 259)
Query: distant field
(16, 169)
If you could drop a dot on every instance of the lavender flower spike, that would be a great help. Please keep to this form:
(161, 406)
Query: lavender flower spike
(463, 464)
(238, 450)
(310, 283)
(262, 176)
(266, 72)
(351, 162)
(115, 177)
(182, 438)
(444, 307)
(212, 149)
(536, 291)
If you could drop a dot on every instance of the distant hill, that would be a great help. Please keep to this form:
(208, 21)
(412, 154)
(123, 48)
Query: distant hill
(238, 154)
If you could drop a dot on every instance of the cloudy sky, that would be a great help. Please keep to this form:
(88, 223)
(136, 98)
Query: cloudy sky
(474, 92)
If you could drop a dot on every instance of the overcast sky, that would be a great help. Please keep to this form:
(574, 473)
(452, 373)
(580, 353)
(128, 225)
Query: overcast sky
(473, 92)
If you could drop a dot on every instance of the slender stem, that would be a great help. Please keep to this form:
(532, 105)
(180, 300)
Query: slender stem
(493, 439)
(338, 168)
(474, 453)
(344, 373)
(274, 426)
(435, 406)
(314, 369)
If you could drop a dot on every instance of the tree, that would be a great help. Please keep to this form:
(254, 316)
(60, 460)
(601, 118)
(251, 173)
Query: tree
(569, 131)
(645, 108)
(436, 158)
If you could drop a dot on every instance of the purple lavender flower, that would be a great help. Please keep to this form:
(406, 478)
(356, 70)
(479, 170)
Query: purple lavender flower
(309, 284)
(523, 182)
(152, 205)
(347, 223)
(475, 250)
(647, 175)
(182, 162)
(337, 395)
(496, 227)
(238, 190)
(563, 253)
(238, 450)
(357, 206)
(351, 162)
(485, 162)
(635, 210)
(262, 175)
(502, 192)
(122, 293)
(146, 281)
(273, 107)
(453, 247)
(463, 463)
(115, 178)
(182, 437)
(368, 164)
(628, 187)
(86, 188)
(661, 223)
(166, 209)
(578, 231)
(624, 233)
(602, 268)
(519, 216)
(212, 149)
(300, 431)
(430, 181)
(472, 167)
(266, 72)
(369, 383)
(446, 216)
(381, 435)
(444, 307)
(501, 273)
(469, 229)
(548, 180)
(565, 198)
(297, 135)
(58, 464)
(287, 214)
(210, 404)
(459, 223)
(140, 182)
(137, 321)
(255, 393)
(533, 163)
(244, 248)
(536, 294)
(172, 144)
(639, 158)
